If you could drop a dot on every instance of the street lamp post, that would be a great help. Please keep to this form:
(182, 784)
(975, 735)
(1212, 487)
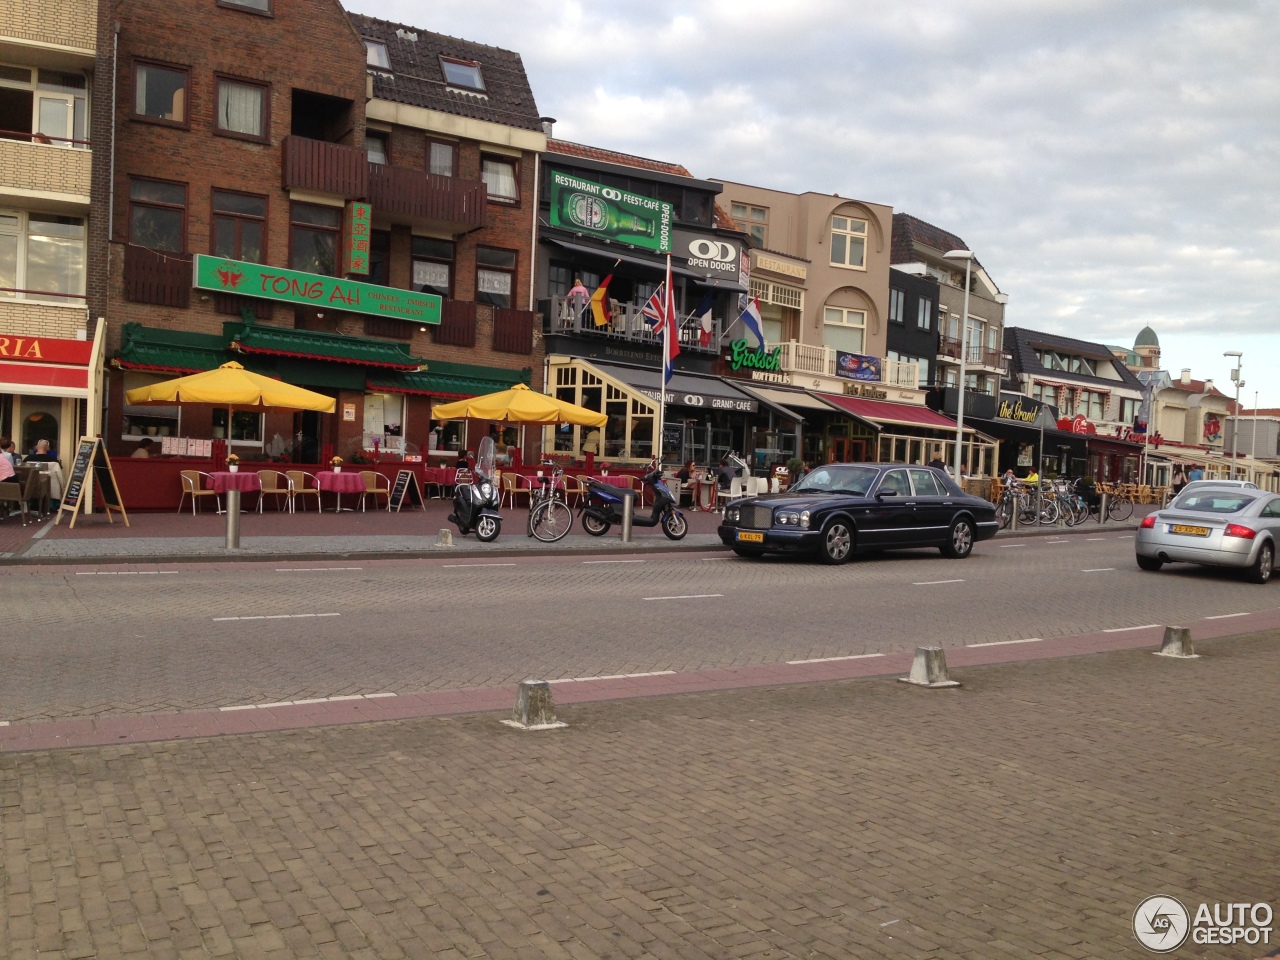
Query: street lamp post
(967, 257)
(1235, 419)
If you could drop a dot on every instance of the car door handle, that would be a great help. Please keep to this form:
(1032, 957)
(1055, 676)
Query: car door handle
(909, 503)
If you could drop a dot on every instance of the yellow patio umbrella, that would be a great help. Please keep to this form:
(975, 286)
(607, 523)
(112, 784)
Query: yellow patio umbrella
(519, 405)
(232, 386)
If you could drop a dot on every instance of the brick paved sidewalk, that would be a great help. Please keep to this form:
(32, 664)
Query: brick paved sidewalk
(1026, 814)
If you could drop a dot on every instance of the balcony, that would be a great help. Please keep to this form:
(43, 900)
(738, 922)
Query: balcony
(977, 356)
(425, 199)
(59, 32)
(325, 168)
(627, 324)
(817, 361)
(160, 278)
(49, 171)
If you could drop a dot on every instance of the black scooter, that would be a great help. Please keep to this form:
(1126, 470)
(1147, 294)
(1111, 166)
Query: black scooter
(475, 504)
(603, 508)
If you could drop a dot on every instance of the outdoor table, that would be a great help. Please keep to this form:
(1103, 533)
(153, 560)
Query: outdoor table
(441, 476)
(222, 481)
(340, 483)
(701, 486)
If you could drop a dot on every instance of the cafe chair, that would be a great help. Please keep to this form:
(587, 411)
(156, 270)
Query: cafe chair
(298, 483)
(737, 488)
(11, 493)
(36, 488)
(574, 489)
(428, 484)
(372, 488)
(270, 480)
(193, 487)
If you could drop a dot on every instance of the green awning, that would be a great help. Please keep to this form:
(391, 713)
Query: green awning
(169, 351)
(454, 380)
(253, 338)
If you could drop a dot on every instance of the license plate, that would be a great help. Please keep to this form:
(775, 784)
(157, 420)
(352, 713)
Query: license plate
(1189, 531)
(750, 537)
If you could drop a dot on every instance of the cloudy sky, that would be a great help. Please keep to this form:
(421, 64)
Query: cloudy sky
(1113, 163)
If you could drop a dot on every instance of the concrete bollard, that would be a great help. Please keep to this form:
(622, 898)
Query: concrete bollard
(445, 539)
(1177, 643)
(534, 709)
(929, 669)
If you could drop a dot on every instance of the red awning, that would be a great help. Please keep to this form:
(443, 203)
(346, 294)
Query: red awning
(45, 366)
(898, 414)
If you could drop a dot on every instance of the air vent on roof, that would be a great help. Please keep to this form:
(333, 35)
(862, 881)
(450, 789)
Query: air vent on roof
(407, 35)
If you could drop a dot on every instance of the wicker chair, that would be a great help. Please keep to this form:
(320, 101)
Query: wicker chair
(298, 481)
(270, 480)
(193, 487)
(11, 493)
(372, 488)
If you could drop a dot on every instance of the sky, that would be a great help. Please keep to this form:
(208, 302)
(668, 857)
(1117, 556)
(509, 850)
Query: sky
(1112, 163)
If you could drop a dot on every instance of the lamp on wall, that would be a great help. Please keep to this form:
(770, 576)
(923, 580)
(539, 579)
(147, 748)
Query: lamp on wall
(967, 257)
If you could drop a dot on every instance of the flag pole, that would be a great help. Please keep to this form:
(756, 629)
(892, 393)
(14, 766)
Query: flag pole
(668, 309)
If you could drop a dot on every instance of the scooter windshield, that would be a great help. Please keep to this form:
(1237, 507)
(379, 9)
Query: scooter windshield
(486, 457)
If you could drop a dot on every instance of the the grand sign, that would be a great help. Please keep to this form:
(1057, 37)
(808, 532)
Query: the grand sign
(311, 289)
(1017, 408)
(584, 206)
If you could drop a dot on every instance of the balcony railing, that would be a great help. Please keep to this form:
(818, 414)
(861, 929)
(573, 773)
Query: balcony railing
(403, 193)
(562, 315)
(63, 169)
(457, 324)
(513, 330)
(820, 361)
(161, 278)
(325, 167)
(975, 355)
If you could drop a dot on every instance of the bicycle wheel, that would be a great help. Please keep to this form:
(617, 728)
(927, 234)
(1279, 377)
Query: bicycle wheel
(551, 520)
(1121, 508)
(1048, 512)
(1004, 512)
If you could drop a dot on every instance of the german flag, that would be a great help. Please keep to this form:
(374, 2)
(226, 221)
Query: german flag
(600, 303)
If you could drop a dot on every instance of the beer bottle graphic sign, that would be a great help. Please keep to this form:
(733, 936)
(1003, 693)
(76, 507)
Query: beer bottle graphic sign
(587, 207)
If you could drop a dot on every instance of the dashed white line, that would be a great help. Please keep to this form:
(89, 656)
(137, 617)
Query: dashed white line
(122, 573)
(852, 656)
(1095, 538)
(1145, 626)
(1011, 546)
(277, 616)
(1099, 570)
(614, 676)
(613, 561)
(1125, 536)
(1003, 643)
(313, 569)
(4, 723)
(299, 703)
(930, 583)
(687, 596)
(1227, 616)
(714, 559)
(477, 565)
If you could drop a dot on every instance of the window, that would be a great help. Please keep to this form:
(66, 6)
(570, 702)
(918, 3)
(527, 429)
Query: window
(257, 6)
(924, 314)
(843, 329)
(158, 215)
(559, 280)
(42, 256)
(246, 426)
(239, 226)
(1046, 393)
(462, 73)
(45, 106)
(160, 93)
(495, 276)
(242, 109)
(314, 232)
(897, 305)
(1092, 404)
(379, 258)
(376, 146)
(433, 266)
(751, 220)
(1129, 410)
(440, 158)
(499, 175)
(375, 55)
(848, 242)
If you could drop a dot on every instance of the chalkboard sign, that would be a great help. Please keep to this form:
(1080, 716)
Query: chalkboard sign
(91, 454)
(406, 485)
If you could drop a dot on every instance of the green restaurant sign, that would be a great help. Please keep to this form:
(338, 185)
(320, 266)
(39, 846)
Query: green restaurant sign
(754, 358)
(587, 207)
(311, 289)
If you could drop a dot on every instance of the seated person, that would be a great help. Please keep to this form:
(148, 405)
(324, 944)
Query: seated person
(7, 452)
(685, 473)
(725, 474)
(143, 448)
(42, 454)
(464, 461)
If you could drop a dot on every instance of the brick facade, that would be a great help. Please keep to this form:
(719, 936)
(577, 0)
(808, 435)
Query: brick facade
(41, 320)
(51, 23)
(44, 168)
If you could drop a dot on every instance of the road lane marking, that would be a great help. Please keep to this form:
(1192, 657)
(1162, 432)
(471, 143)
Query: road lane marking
(613, 561)
(4, 723)
(1125, 536)
(1145, 626)
(313, 569)
(930, 583)
(1011, 546)
(1227, 616)
(687, 596)
(713, 559)
(852, 656)
(1095, 538)
(1002, 643)
(277, 616)
(615, 676)
(1099, 570)
(122, 573)
(300, 703)
(477, 564)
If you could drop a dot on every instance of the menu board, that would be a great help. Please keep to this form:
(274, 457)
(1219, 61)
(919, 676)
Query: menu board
(91, 454)
(406, 485)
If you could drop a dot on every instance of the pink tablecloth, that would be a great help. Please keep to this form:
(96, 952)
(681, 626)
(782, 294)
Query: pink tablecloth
(441, 475)
(332, 482)
(245, 482)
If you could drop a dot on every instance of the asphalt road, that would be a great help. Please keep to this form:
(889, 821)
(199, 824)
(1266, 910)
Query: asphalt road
(92, 643)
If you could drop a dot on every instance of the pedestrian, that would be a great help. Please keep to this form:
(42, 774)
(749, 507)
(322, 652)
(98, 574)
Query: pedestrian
(936, 463)
(1179, 479)
(1195, 474)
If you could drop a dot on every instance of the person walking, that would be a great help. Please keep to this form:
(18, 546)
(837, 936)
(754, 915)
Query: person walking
(1179, 479)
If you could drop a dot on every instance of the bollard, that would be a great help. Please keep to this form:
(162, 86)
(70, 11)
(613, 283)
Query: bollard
(929, 669)
(1177, 644)
(1102, 509)
(628, 511)
(534, 709)
(444, 538)
(233, 519)
(1013, 515)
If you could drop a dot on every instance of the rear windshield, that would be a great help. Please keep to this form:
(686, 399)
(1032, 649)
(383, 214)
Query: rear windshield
(1219, 500)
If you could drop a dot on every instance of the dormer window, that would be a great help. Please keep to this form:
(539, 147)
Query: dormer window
(462, 73)
(375, 55)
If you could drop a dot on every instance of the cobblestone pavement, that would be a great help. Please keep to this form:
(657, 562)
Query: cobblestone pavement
(106, 641)
(1024, 815)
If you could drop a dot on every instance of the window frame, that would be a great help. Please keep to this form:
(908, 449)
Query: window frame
(385, 137)
(426, 258)
(160, 205)
(185, 123)
(459, 61)
(453, 155)
(515, 169)
(897, 306)
(513, 272)
(244, 6)
(924, 314)
(370, 43)
(844, 324)
(218, 80)
(862, 237)
(238, 219)
(22, 235)
(336, 231)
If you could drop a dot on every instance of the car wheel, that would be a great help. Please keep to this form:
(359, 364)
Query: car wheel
(959, 540)
(751, 553)
(837, 542)
(1149, 563)
(1260, 572)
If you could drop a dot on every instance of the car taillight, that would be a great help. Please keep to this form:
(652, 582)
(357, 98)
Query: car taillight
(1148, 522)
(1235, 530)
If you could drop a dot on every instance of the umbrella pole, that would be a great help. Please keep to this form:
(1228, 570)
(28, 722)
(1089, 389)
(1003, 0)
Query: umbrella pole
(233, 496)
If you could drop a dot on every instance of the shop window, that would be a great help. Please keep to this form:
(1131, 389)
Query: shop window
(384, 422)
(495, 276)
(752, 220)
(500, 176)
(897, 305)
(848, 242)
(246, 426)
(239, 226)
(377, 146)
(844, 329)
(42, 256)
(160, 93)
(314, 233)
(462, 73)
(158, 215)
(924, 314)
(433, 266)
(242, 109)
(441, 158)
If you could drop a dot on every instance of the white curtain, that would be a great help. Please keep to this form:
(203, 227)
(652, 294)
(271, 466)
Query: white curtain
(500, 177)
(240, 108)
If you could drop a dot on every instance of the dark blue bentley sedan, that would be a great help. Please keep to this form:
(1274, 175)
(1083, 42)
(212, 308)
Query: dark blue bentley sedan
(845, 508)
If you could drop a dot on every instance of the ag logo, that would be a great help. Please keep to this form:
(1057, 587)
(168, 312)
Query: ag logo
(712, 250)
(1161, 924)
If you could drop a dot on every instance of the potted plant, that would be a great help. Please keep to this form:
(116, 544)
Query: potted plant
(233, 462)
(336, 463)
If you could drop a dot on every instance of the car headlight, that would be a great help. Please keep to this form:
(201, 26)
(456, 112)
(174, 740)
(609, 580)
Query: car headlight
(787, 518)
(804, 519)
(731, 514)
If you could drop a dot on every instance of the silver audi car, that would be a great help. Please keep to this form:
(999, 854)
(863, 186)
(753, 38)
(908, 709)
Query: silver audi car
(1215, 525)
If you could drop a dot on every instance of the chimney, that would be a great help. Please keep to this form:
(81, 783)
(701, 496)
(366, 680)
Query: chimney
(1186, 376)
(1208, 386)
(548, 124)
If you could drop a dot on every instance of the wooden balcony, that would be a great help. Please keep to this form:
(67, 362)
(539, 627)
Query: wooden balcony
(325, 168)
(412, 196)
(513, 330)
(457, 324)
(161, 278)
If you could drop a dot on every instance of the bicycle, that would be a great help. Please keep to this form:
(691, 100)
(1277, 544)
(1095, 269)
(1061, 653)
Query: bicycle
(1021, 498)
(550, 517)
